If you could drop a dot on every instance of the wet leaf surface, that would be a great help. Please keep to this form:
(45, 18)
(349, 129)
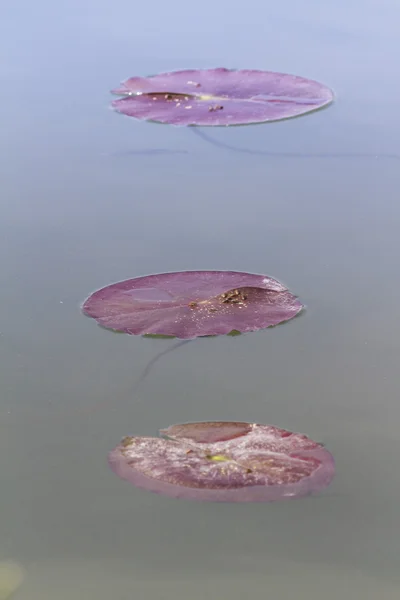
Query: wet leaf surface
(225, 462)
(220, 97)
(189, 304)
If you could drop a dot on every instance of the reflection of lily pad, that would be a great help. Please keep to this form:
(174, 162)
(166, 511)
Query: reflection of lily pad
(11, 577)
(220, 97)
(225, 462)
(189, 304)
(157, 336)
(114, 330)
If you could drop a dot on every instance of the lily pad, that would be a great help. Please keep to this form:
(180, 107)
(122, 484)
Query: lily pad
(189, 304)
(225, 462)
(220, 97)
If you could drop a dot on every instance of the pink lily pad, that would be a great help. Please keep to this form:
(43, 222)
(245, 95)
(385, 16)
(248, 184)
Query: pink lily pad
(220, 97)
(189, 304)
(225, 462)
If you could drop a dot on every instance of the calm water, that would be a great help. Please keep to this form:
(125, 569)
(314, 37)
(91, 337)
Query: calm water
(85, 201)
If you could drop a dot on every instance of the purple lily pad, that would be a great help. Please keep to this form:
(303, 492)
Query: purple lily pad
(189, 304)
(225, 462)
(220, 97)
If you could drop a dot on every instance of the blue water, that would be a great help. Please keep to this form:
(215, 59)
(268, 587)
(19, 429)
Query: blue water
(89, 197)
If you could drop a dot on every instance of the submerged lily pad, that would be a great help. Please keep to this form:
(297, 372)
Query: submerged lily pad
(220, 97)
(225, 462)
(189, 304)
(11, 577)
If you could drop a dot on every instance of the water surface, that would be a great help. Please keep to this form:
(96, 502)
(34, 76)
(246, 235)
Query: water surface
(89, 197)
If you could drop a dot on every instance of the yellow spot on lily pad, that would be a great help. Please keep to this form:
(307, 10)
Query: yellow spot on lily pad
(217, 457)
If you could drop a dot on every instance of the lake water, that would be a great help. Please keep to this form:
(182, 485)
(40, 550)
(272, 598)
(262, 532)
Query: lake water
(89, 197)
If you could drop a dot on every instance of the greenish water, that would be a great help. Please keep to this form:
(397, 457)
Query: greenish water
(89, 197)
